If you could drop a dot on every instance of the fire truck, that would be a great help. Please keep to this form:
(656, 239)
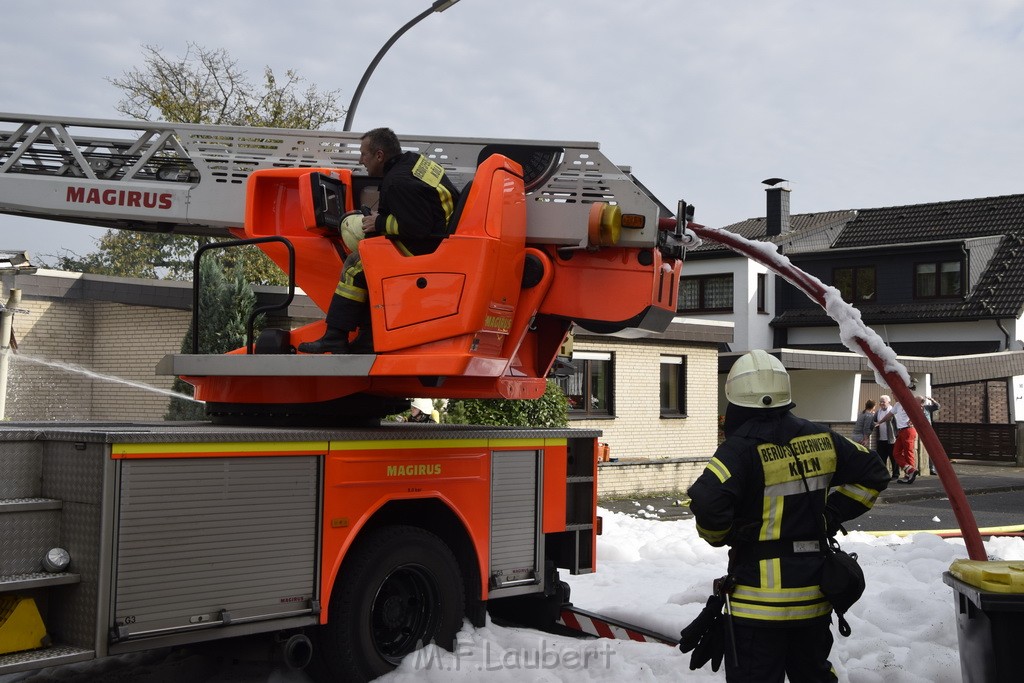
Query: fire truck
(296, 511)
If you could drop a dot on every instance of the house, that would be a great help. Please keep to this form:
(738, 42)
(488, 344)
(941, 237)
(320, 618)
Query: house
(941, 283)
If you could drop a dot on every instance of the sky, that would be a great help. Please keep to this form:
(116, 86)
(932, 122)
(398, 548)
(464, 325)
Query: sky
(858, 105)
(658, 574)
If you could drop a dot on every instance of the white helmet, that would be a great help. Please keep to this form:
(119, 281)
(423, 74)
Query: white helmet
(424, 405)
(758, 380)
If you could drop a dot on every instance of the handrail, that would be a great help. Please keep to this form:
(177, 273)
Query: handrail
(196, 286)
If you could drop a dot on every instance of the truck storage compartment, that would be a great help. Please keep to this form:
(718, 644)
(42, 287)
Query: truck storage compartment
(214, 541)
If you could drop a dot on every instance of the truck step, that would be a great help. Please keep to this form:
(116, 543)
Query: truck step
(29, 504)
(47, 656)
(17, 582)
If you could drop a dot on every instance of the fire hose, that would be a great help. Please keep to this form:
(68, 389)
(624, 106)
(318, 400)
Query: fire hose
(863, 340)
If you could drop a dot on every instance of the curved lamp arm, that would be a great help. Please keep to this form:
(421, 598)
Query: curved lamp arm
(438, 6)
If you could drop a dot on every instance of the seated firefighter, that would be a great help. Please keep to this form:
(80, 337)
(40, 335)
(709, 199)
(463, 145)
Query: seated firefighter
(416, 202)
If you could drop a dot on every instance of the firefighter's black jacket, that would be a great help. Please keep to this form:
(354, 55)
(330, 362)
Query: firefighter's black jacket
(752, 497)
(416, 201)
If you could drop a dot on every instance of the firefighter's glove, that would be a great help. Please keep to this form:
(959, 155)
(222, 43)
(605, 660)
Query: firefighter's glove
(690, 637)
(833, 523)
(711, 647)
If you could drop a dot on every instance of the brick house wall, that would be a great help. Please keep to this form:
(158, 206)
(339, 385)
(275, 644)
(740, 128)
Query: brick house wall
(637, 430)
(53, 331)
(654, 454)
(111, 339)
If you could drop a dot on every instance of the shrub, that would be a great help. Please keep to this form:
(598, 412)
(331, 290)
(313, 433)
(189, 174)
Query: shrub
(550, 410)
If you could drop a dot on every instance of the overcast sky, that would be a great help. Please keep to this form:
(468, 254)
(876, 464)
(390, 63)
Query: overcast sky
(859, 105)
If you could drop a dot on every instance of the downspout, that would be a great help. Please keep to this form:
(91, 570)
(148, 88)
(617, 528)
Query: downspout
(999, 324)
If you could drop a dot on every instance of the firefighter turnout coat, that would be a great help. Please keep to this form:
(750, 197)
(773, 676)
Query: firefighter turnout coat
(417, 200)
(772, 489)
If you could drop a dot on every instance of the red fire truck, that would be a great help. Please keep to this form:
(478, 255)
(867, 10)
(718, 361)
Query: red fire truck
(296, 511)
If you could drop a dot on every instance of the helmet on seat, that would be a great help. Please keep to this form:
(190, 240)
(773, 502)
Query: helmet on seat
(758, 380)
(424, 405)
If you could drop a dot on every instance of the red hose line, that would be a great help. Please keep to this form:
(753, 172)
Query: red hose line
(816, 291)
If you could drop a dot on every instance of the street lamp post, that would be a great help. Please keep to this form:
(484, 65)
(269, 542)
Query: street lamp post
(438, 6)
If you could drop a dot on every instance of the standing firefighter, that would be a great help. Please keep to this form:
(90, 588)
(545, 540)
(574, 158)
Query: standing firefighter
(776, 491)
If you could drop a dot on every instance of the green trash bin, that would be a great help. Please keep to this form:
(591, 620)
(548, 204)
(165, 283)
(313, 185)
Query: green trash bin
(989, 618)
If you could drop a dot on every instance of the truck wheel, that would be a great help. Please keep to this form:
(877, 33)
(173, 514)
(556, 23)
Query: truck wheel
(400, 588)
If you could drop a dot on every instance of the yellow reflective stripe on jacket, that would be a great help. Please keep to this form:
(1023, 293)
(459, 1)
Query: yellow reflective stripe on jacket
(347, 288)
(771, 572)
(779, 604)
(447, 203)
(771, 516)
(777, 594)
(790, 488)
(352, 292)
(391, 225)
(779, 612)
(713, 536)
(862, 494)
(718, 468)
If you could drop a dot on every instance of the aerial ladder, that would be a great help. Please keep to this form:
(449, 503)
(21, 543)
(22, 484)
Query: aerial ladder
(547, 235)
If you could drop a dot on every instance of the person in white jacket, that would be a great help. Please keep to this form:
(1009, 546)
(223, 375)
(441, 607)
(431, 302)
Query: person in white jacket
(886, 434)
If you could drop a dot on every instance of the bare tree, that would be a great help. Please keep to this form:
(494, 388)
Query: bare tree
(207, 86)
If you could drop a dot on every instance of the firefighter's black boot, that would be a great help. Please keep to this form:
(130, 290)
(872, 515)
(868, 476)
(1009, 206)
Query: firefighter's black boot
(363, 343)
(333, 341)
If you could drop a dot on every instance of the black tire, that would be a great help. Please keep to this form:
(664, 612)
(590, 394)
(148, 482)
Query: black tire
(400, 588)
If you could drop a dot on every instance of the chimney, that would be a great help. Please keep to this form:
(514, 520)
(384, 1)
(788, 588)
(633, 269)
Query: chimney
(777, 215)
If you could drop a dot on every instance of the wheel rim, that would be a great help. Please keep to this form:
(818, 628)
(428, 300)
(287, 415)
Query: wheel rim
(405, 612)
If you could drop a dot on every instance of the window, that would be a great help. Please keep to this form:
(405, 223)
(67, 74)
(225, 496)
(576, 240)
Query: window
(933, 280)
(856, 284)
(589, 387)
(705, 293)
(673, 386)
(762, 293)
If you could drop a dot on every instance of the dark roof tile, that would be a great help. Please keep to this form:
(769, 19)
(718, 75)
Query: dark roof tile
(952, 220)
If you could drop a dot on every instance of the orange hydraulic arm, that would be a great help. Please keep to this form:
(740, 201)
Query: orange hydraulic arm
(483, 316)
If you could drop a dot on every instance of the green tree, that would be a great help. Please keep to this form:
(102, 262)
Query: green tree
(124, 253)
(225, 303)
(203, 86)
(550, 410)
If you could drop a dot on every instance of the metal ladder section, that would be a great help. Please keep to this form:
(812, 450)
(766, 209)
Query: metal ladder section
(30, 525)
(191, 179)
